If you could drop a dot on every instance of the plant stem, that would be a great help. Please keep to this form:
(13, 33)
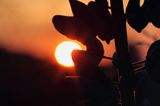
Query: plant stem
(124, 64)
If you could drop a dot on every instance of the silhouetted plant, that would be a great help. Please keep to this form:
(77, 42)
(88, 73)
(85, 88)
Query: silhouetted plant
(94, 20)
(153, 61)
(139, 16)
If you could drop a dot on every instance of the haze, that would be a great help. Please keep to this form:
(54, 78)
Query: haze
(26, 27)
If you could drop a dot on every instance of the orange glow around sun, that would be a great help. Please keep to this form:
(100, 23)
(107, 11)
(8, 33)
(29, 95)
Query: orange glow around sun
(63, 53)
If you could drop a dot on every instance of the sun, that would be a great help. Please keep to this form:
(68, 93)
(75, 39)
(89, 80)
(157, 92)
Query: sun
(63, 52)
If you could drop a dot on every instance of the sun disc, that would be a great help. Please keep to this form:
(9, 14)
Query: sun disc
(63, 53)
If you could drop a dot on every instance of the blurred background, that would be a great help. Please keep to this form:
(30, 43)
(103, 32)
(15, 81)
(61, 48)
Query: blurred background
(28, 70)
(26, 27)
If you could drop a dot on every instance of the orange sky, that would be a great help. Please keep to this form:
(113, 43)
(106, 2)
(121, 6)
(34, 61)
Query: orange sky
(26, 27)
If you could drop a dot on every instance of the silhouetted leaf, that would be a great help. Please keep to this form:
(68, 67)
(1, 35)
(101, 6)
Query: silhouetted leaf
(138, 17)
(73, 28)
(88, 21)
(153, 61)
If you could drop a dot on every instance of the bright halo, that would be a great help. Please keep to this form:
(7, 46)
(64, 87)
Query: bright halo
(63, 53)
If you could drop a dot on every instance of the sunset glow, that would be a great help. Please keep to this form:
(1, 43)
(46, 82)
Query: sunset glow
(63, 53)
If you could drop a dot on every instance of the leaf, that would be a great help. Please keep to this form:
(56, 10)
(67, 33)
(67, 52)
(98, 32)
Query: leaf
(73, 28)
(88, 21)
(138, 17)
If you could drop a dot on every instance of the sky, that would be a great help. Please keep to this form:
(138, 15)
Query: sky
(26, 27)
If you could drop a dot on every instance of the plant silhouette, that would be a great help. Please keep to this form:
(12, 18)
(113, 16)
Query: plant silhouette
(139, 16)
(88, 22)
(94, 19)
(152, 61)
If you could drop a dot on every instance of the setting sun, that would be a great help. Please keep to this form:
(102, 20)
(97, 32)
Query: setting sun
(63, 53)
